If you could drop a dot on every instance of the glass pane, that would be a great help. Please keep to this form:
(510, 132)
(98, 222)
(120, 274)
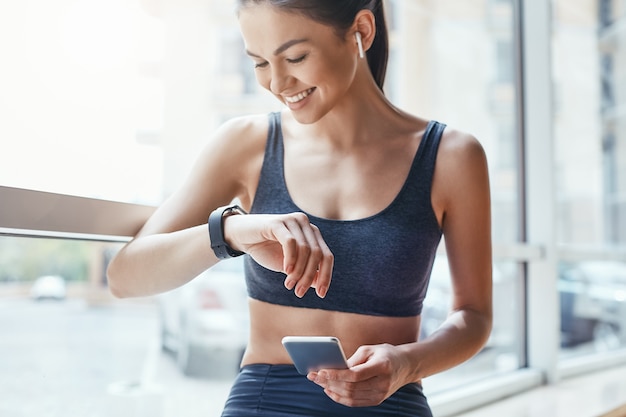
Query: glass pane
(593, 307)
(84, 353)
(590, 128)
(590, 134)
(80, 104)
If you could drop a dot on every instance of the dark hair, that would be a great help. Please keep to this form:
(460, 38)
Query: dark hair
(340, 14)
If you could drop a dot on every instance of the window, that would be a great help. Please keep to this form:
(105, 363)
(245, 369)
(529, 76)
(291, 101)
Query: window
(102, 100)
(590, 132)
(81, 101)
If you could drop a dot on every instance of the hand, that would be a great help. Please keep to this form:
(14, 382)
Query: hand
(286, 243)
(374, 374)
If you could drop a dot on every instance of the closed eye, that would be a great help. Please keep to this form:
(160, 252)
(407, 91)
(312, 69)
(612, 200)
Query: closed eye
(260, 64)
(297, 60)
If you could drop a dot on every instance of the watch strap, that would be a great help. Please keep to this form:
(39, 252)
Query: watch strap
(216, 231)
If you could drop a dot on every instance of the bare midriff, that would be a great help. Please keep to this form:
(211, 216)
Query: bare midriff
(269, 323)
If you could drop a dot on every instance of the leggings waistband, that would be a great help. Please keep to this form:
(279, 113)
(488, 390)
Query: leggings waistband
(262, 390)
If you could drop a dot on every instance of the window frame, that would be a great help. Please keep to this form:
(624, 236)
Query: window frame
(31, 213)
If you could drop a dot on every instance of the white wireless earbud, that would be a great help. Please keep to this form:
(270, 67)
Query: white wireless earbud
(359, 42)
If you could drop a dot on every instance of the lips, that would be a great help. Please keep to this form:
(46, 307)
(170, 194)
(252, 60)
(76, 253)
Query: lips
(299, 97)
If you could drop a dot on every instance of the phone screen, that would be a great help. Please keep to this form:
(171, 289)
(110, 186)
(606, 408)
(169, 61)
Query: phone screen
(312, 353)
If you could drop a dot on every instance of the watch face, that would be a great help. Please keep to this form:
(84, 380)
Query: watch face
(234, 210)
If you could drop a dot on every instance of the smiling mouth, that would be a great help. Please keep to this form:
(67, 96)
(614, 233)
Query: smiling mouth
(299, 97)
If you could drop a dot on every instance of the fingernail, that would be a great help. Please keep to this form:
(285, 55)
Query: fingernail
(321, 292)
(289, 284)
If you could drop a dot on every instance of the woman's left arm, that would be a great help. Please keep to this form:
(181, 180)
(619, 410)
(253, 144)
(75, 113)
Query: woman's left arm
(461, 196)
(461, 200)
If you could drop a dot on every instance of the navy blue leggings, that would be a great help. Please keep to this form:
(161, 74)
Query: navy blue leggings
(280, 391)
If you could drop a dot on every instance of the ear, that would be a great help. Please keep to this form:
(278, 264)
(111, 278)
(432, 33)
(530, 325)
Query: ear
(365, 24)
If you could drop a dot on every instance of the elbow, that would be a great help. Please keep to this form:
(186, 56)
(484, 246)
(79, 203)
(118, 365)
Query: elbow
(116, 281)
(480, 324)
(485, 327)
(488, 331)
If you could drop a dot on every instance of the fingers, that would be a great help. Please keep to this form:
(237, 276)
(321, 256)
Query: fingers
(371, 378)
(308, 261)
(351, 388)
(325, 267)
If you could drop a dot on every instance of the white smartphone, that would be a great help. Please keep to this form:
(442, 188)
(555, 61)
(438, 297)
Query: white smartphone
(312, 353)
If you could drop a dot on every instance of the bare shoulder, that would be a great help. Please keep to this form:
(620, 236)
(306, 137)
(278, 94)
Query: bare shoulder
(235, 142)
(240, 133)
(249, 124)
(226, 168)
(459, 152)
(461, 168)
(234, 154)
(456, 144)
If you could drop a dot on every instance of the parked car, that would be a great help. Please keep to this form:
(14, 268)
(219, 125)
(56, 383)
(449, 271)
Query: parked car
(205, 322)
(48, 287)
(593, 304)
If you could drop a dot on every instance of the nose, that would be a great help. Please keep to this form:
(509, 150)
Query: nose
(279, 80)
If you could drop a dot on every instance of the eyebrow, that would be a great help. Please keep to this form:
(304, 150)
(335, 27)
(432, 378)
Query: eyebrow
(282, 48)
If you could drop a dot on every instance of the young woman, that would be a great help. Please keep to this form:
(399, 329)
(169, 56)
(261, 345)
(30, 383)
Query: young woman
(348, 199)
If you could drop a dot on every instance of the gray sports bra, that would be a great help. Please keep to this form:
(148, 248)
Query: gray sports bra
(382, 262)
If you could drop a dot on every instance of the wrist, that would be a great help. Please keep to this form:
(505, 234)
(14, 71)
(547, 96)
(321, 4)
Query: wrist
(230, 232)
(410, 357)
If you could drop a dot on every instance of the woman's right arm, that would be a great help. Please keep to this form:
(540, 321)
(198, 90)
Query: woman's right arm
(173, 246)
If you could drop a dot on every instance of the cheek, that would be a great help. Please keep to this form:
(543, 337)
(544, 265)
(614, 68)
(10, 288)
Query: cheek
(336, 66)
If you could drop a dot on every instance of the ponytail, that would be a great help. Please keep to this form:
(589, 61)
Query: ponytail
(378, 53)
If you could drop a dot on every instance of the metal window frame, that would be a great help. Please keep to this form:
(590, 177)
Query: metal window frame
(33, 213)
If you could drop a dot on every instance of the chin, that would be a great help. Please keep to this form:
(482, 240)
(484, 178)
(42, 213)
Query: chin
(306, 117)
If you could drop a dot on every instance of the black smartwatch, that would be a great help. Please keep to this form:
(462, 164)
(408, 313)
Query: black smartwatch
(216, 231)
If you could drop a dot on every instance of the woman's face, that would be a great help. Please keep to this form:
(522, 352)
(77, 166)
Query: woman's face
(302, 62)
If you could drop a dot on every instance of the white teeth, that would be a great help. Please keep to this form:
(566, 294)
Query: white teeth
(299, 97)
